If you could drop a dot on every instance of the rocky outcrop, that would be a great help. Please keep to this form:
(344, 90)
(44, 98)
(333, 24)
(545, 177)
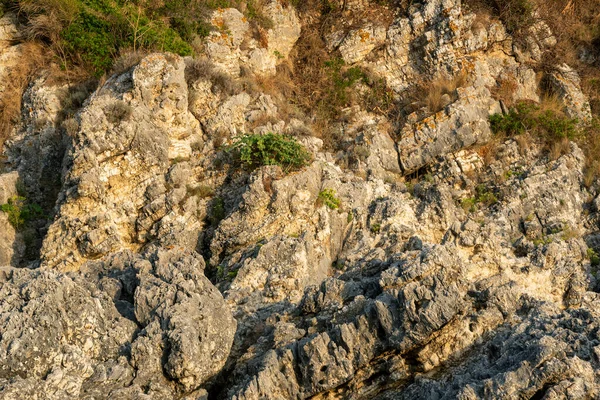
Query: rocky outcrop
(115, 190)
(566, 84)
(413, 259)
(232, 47)
(115, 329)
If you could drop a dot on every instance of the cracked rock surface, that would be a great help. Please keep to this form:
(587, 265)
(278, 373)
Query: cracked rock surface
(164, 270)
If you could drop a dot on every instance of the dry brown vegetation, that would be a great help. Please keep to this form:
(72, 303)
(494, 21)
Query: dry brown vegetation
(317, 81)
(440, 91)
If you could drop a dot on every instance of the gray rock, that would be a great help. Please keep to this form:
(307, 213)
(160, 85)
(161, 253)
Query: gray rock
(126, 326)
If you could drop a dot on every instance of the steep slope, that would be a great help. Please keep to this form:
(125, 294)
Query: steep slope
(441, 241)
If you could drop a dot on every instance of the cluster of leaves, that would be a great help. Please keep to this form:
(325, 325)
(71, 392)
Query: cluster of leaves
(484, 197)
(328, 198)
(255, 150)
(528, 117)
(20, 211)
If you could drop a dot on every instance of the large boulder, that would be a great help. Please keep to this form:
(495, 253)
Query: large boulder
(122, 327)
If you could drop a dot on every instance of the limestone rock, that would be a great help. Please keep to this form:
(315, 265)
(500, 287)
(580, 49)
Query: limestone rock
(566, 84)
(459, 125)
(260, 56)
(11, 242)
(128, 132)
(415, 260)
(120, 325)
(359, 43)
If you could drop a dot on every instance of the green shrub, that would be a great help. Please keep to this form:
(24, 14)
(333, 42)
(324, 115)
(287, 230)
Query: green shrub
(593, 257)
(92, 33)
(341, 79)
(509, 124)
(20, 211)
(327, 197)
(256, 150)
(549, 125)
(469, 204)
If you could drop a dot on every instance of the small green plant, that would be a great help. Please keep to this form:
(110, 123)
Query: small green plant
(469, 204)
(483, 197)
(410, 188)
(224, 275)
(593, 257)
(350, 217)
(231, 275)
(217, 212)
(509, 124)
(542, 240)
(338, 264)
(327, 197)
(375, 228)
(270, 149)
(20, 211)
(278, 54)
(569, 233)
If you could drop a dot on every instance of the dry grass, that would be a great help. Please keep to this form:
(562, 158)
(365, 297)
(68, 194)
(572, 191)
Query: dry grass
(440, 87)
(434, 95)
(559, 148)
(525, 143)
(202, 68)
(504, 90)
(126, 60)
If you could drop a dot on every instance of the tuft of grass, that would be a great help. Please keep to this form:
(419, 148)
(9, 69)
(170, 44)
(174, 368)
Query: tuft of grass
(328, 198)
(375, 228)
(118, 111)
(255, 150)
(200, 191)
(439, 89)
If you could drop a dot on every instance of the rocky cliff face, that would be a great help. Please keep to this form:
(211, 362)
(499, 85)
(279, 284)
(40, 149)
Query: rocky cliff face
(455, 263)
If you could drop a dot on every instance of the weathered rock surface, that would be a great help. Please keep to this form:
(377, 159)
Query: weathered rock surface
(259, 54)
(115, 329)
(114, 193)
(11, 244)
(167, 271)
